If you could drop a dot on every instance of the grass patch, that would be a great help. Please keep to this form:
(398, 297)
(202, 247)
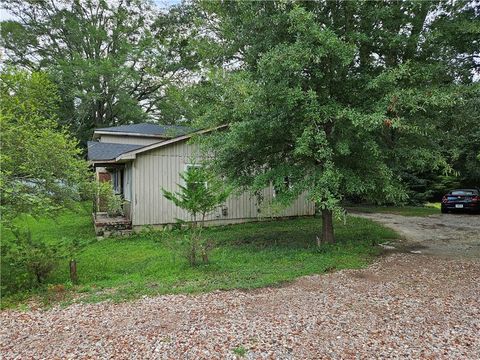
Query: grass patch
(428, 209)
(246, 256)
(69, 225)
(240, 351)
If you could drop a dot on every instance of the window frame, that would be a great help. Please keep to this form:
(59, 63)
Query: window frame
(189, 165)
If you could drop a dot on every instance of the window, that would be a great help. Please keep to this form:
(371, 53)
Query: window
(127, 182)
(195, 166)
(287, 185)
(463, 192)
(188, 166)
(117, 180)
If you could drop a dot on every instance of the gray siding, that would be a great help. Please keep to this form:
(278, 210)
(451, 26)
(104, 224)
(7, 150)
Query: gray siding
(122, 139)
(161, 167)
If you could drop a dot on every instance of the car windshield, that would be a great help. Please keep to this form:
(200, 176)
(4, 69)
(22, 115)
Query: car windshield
(463, 192)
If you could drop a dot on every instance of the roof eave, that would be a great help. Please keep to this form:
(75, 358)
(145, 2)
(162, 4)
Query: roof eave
(126, 157)
(96, 162)
(110, 161)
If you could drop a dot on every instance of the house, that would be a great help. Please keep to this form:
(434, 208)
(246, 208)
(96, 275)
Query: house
(141, 159)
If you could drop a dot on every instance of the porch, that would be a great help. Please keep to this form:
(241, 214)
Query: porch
(110, 221)
(107, 225)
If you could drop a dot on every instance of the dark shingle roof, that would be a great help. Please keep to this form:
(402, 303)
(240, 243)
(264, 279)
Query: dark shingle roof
(150, 129)
(98, 151)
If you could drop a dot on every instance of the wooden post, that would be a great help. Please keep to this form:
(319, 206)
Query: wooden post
(73, 271)
(204, 255)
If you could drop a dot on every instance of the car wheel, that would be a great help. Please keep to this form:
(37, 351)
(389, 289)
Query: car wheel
(444, 211)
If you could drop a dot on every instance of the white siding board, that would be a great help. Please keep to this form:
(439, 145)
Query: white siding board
(134, 202)
(148, 198)
(161, 168)
(135, 140)
(127, 181)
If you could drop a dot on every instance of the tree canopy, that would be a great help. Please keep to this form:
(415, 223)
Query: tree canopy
(41, 167)
(113, 62)
(200, 194)
(341, 98)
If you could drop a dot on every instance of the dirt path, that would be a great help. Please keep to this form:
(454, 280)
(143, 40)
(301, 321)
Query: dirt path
(456, 235)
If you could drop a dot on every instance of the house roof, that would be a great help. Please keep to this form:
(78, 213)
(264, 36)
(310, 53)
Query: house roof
(102, 151)
(131, 154)
(146, 129)
(110, 152)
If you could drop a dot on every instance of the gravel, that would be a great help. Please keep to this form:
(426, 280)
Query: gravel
(402, 306)
(451, 235)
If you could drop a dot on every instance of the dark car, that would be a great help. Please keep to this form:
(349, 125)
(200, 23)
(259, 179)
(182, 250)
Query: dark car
(462, 200)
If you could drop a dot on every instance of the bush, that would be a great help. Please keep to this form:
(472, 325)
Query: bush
(201, 193)
(189, 243)
(28, 260)
(110, 202)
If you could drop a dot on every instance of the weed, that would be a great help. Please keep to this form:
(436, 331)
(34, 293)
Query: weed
(240, 351)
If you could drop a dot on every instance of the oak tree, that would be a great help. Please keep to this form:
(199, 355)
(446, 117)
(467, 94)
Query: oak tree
(340, 98)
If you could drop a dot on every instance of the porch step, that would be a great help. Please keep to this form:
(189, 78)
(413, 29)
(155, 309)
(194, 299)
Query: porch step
(106, 226)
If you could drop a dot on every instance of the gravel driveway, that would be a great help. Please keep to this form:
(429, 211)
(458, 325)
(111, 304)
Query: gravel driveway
(402, 306)
(453, 235)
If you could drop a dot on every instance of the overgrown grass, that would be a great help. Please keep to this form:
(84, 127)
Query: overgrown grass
(69, 225)
(246, 256)
(428, 209)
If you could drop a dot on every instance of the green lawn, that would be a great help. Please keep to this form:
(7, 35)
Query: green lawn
(428, 209)
(246, 256)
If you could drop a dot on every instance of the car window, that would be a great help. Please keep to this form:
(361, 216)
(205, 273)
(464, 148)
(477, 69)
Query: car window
(463, 192)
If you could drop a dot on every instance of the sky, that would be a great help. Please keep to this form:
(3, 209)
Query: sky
(167, 3)
(4, 15)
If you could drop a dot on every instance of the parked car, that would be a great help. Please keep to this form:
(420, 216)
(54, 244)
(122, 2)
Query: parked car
(462, 200)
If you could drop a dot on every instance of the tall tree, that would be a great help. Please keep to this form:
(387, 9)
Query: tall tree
(41, 172)
(335, 98)
(41, 169)
(112, 60)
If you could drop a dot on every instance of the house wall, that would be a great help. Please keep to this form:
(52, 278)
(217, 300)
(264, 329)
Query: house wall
(136, 140)
(127, 182)
(161, 167)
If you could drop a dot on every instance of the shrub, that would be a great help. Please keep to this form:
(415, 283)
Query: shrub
(200, 195)
(29, 260)
(187, 242)
(112, 203)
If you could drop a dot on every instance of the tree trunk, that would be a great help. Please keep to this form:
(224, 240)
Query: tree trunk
(73, 271)
(327, 227)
